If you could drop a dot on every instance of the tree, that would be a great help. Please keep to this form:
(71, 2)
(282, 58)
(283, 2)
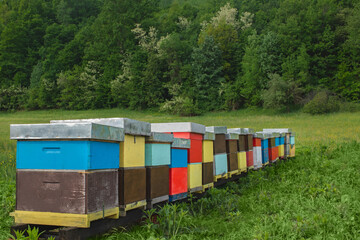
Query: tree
(207, 70)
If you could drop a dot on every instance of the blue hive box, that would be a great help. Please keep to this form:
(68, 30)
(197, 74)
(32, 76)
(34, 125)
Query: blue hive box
(265, 155)
(277, 142)
(179, 158)
(67, 155)
(282, 140)
(67, 146)
(264, 143)
(157, 154)
(220, 164)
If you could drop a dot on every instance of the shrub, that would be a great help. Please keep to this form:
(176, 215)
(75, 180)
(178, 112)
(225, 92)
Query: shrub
(281, 94)
(323, 102)
(180, 105)
(12, 98)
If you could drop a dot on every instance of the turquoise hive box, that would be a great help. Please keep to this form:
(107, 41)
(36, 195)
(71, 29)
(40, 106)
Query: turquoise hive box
(220, 164)
(64, 146)
(158, 149)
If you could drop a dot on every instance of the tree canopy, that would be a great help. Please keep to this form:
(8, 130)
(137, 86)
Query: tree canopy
(176, 54)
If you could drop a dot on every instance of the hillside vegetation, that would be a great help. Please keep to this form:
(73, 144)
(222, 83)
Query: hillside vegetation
(184, 56)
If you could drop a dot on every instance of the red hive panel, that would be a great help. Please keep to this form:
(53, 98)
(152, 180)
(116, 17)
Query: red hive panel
(249, 159)
(256, 142)
(271, 154)
(195, 151)
(178, 180)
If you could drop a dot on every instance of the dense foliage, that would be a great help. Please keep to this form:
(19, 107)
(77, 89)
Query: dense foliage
(185, 56)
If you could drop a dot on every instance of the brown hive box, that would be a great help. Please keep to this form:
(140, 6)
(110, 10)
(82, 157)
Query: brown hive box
(242, 143)
(219, 144)
(207, 173)
(232, 162)
(249, 142)
(231, 146)
(60, 191)
(157, 182)
(132, 185)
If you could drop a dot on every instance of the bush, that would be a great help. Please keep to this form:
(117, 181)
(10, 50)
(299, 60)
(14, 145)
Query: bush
(323, 102)
(183, 106)
(12, 98)
(281, 94)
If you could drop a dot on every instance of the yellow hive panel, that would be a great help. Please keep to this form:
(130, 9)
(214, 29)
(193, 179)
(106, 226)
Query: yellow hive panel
(281, 150)
(208, 151)
(132, 151)
(194, 175)
(292, 150)
(63, 219)
(242, 161)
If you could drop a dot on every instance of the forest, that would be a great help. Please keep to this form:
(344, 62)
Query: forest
(181, 56)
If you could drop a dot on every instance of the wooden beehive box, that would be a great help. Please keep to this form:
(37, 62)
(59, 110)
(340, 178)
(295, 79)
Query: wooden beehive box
(62, 186)
(66, 198)
(132, 149)
(132, 188)
(220, 164)
(208, 147)
(67, 146)
(158, 149)
(220, 139)
(257, 152)
(194, 177)
(232, 151)
(187, 130)
(178, 172)
(157, 184)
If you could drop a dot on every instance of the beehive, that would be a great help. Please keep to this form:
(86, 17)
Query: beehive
(62, 188)
(284, 139)
(249, 147)
(273, 146)
(292, 144)
(208, 161)
(232, 149)
(194, 132)
(257, 153)
(245, 157)
(157, 161)
(178, 172)
(220, 156)
(132, 159)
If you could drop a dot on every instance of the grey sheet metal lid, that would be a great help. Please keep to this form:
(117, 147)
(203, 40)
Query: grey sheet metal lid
(279, 130)
(217, 129)
(276, 134)
(263, 135)
(249, 130)
(181, 143)
(84, 130)
(239, 131)
(209, 136)
(130, 126)
(178, 127)
(259, 135)
(160, 137)
(232, 136)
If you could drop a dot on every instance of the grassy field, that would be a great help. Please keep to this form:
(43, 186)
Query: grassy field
(313, 196)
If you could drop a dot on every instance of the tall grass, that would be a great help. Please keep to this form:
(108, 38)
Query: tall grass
(314, 195)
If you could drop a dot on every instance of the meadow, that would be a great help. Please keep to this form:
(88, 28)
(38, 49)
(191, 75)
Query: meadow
(314, 195)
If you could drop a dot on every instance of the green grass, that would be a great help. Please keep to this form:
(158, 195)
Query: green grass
(314, 195)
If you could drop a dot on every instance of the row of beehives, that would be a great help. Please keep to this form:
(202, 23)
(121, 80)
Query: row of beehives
(72, 172)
